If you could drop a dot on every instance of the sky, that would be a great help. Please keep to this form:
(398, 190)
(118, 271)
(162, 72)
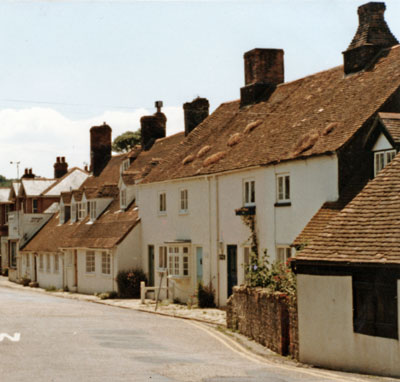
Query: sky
(68, 65)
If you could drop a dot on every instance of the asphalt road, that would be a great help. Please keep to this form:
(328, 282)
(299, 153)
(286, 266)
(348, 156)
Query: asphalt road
(69, 340)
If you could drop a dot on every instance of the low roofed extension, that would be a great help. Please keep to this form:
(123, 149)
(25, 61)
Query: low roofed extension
(367, 230)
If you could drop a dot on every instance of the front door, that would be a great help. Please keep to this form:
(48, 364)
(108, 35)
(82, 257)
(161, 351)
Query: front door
(199, 264)
(151, 265)
(232, 267)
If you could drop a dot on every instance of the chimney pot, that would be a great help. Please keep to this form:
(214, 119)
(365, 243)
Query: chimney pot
(60, 167)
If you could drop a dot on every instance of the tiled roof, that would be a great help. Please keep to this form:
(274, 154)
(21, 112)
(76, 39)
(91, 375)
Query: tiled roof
(367, 230)
(109, 175)
(5, 194)
(107, 231)
(51, 237)
(35, 187)
(311, 116)
(147, 161)
(70, 181)
(392, 123)
(327, 212)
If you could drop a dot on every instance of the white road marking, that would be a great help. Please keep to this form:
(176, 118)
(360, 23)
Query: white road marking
(15, 338)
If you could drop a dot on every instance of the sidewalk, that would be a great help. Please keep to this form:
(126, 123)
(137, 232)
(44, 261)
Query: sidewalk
(210, 316)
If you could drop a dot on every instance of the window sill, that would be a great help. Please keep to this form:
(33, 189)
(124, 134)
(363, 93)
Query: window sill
(183, 212)
(90, 274)
(283, 204)
(161, 213)
(161, 270)
(178, 277)
(106, 275)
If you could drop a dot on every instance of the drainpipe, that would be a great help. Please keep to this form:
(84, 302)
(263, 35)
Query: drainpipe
(112, 257)
(218, 233)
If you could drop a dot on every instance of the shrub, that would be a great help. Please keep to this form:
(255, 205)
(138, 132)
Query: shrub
(205, 296)
(129, 283)
(51, 288)
(107, 295)
(25, 281)
(5, 272)
(277, 277)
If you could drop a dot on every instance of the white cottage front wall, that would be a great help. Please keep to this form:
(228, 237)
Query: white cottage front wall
(312, 182)
(325, 309)
(95, 282)
(162, 229)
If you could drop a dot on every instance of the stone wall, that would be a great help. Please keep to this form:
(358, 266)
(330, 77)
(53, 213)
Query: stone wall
(268, 318)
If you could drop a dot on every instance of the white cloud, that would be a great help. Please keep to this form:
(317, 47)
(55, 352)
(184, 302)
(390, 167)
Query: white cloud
(36, 136)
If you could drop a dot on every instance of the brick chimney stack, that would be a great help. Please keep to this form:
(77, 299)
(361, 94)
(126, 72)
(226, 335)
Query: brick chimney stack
(263, 71)
(373, 35)
(60, 167)
(153, 127)
(28, 174)
(195, 112)
(100, 148)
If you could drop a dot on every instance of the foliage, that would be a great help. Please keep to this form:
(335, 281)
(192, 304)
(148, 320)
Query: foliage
(25, 281)
(129, 283)
(250, 221)
(107, 295)
(5, 272)
(51, 288)
(205, 296)
(277, 277)
(4, 182)
(126, 141)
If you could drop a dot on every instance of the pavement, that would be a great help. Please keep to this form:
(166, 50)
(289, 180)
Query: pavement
(209, 316)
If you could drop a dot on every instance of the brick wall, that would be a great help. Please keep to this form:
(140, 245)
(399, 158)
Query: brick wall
(268, 318)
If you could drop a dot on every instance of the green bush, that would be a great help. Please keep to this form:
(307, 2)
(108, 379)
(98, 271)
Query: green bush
(277, 277)
(107, 295)
(129, 283)
(25, 281)
(205, 296)
(5, 272)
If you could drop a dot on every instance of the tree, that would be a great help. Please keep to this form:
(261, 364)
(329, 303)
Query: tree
(4, 182)
(126, 141)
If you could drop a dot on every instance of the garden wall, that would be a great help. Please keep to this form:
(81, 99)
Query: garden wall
(268, 318)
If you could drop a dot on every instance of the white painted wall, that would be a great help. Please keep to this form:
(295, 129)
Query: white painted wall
(125, 256)
(382, 144)
(326, 334)
(157, 229)
(211, 221)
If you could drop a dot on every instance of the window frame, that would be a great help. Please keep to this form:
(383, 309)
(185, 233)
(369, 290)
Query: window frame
(249, 192)
(41, 263)
(27, 261)
(35, 204)
(287, 253)
(162, 258)
(123, 198)
(56, 263)
(183, 201)
(93, 210)
(179, 261)
(284, 196)
(162, 203)
(81, 211)
(90, 262)
(48, 263)
(387, 157)
(105, 263)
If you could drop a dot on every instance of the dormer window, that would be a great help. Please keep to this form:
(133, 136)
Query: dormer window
(74, 208)
(382, 158)
(123, 199)
(34, 206)
(93, 210)
(81, 210)
(125, 165)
